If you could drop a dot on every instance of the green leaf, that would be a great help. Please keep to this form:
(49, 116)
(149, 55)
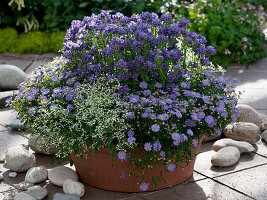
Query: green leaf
(84, 4)
(113, 155)
(71, 162)
(110, 144)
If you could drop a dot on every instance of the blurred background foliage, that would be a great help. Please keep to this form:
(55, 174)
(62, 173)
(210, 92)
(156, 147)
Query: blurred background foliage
(233, 27)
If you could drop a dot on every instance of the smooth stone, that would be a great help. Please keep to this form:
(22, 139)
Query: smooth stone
(249, 114)
(36, 175)
(60, 196)
(11, 76)
(23, 196)
(36, 146)
(19, 159)
(264, 126)
(60, 174)
(24, 185)
(37, 192)
(1, 177)
(2, 157)
(242, 131)
(225, 157)
(264, 136)
(12, 174)
(241, 145)
(73, 187)
(16, 125)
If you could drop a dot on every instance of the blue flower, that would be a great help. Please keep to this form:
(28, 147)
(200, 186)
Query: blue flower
(155, 127)
(121, 155)
(143, 85)
(148, 146)
(143, 187)
(131, 140)
(32, 110)
(171, 167)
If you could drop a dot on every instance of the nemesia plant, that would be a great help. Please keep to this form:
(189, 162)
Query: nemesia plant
(149, 78)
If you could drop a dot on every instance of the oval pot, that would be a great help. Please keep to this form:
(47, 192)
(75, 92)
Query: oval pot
(96, 170)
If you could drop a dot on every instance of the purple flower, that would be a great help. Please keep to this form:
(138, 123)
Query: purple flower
(171, 167)
(134, 99)
(190, 132)
(158, 85)
(123, 175)
(183, 137)
(156, 146)
(145, 115)
(210, 120)
(162, 154)
(155, 127)
(201, 115)
(143, 85)
(53, 107)
(32, 110)
(131, 140)
(148, 146)
(30, 97)
(130, 115)
(121, 155)
(69, 97)
(152, 116)
(218, 132)
(176, 142)
(175, 136)
(70, 81)
(130, 133)
(195, 142)
(146, 92)
(70, 107)
(56, 92)
(143, 187)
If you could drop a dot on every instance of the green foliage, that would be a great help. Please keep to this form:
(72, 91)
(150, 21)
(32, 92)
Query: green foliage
(232, 27)
(33, 42)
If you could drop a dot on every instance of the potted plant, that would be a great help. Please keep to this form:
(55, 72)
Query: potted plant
(130, 97)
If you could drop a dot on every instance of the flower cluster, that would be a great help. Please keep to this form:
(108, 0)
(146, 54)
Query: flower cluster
(146, 77)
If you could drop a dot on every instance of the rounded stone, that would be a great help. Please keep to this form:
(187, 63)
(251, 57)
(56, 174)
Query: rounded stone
(60, 174)
(11, 76)
(264, 136)
(249, 114)
(23, 196)
(37, 192)
(73, 187)
(16, 125)
(241, 145)
(36, 146)
(225, 157)
(19, 159)
(12, 174)
(36, 175)
(1, 177)
(242, 131)
(60, 196)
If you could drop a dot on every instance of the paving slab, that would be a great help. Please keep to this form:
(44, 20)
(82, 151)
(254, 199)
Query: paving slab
(5, 187)
(247, 160)
(254, 97)
(22, 64)
(200, 190)
(260, 64)
(33, 66)
(8, 194)
(249, 78)
(252, 181)
(48, 56)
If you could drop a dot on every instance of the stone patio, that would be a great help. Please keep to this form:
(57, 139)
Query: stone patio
(245, 180)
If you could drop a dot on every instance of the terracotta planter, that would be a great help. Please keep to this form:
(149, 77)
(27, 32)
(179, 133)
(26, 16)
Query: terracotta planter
(98, 171)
